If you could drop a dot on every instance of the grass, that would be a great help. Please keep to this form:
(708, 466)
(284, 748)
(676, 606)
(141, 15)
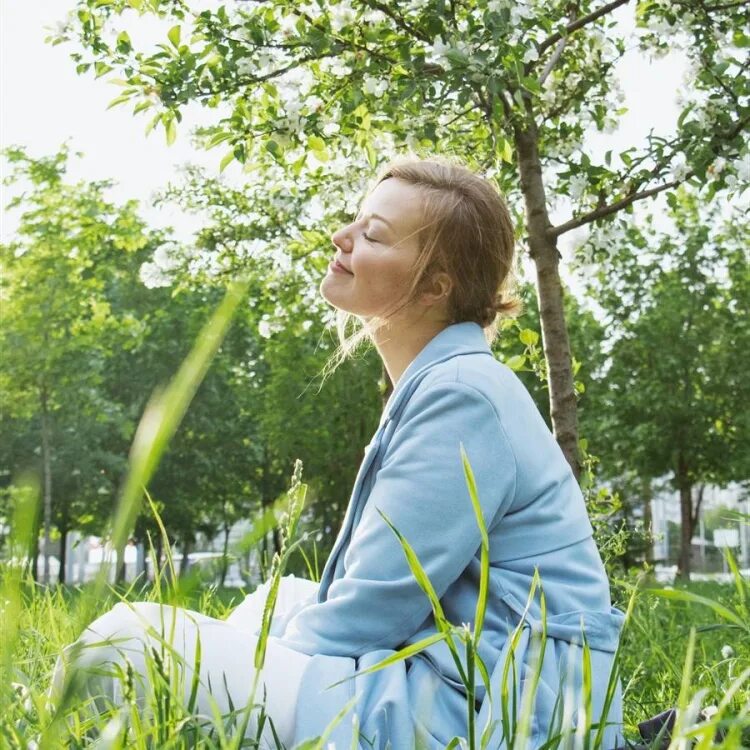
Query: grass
(684, 647)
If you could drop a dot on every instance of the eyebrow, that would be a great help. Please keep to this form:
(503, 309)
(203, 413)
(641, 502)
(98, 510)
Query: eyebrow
(375, 216)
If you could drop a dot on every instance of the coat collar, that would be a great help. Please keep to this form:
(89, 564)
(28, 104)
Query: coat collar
(456, 339)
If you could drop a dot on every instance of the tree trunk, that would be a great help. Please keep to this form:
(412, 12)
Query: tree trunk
(224, 553)
(648, 520)
(63, 552)
(686, 518)
(543, 251)
(34, 549)
(185, 559)
(47, 472)
(158, 550)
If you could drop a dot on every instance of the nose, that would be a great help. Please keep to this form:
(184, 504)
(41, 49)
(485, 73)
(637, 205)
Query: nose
(342, 239)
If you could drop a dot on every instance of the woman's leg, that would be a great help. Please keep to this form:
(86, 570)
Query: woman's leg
(135, 632)
(293, 594)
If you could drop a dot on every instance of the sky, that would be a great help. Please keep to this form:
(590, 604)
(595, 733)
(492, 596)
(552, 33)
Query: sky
(43, 102)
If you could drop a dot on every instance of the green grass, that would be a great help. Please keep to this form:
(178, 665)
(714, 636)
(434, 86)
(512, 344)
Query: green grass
(674, 650)
(652, 664)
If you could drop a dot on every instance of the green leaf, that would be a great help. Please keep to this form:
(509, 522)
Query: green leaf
(174, 36)
(123, 42)
(227, 158)
(528, 336)
(316, 143)
(372, 158)
(171, 130)
(100, 68)
(506, 151)
(119, 100)
(516, 362)
(153, 123)
(218, 138)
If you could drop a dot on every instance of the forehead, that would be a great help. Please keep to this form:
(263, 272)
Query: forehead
(397, 201)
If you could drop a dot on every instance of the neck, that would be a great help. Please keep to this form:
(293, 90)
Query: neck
(398, 343)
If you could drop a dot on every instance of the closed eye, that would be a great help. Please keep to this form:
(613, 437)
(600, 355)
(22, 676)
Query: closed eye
(369, 239)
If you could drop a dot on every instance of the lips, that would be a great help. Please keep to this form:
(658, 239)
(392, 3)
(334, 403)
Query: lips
(337, 266)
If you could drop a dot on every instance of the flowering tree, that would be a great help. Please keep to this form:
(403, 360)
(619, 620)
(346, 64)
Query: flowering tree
(308, 94)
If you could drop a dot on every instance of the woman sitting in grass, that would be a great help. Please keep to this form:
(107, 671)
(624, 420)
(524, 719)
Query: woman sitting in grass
(427, 268)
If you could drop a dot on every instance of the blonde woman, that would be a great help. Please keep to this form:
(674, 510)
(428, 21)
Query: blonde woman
(426, 268)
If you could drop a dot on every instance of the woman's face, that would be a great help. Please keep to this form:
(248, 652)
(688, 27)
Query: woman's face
(377, 252)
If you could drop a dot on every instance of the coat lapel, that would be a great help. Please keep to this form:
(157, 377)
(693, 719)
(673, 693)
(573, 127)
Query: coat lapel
(456, 339)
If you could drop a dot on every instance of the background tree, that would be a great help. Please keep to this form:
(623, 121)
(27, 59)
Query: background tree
(514, 86)
(58, 330)
(677, 394)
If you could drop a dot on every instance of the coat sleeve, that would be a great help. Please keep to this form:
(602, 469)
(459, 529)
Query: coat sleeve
(422, 489)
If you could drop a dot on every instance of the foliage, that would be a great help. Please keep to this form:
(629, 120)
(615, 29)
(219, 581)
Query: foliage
(312, 93)
(676, 398)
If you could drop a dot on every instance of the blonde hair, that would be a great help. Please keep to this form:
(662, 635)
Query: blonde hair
(467, 233)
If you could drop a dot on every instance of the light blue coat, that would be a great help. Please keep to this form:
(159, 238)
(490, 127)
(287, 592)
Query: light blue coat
(369, 604)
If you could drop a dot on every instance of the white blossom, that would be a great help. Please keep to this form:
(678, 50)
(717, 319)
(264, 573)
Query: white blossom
(165, 259)
(245, 66)
(341, 15)
(727, 652)
(742, 168)
(659, 25)
(313, 103)
(330, 128)
(267, 327)
(335, 67)
(680, 168)
(518, 12)
(264, 329)
(530, 55)
(374, 86)
(438, 50)
(251, 248)
(577, 185)
(153, 277)
(495, 6)
(717, 167)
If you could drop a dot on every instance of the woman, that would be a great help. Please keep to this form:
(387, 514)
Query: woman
(426, 266)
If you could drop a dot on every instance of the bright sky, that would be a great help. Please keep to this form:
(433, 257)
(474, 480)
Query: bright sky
(43, 102)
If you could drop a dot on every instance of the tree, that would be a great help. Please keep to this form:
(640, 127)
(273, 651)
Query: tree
(677, 394)
(58, 330)
(317, 88)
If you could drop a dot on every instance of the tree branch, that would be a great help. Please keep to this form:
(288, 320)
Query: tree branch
(603, 211)
(552, 61)
(398, 20)
(579, 23)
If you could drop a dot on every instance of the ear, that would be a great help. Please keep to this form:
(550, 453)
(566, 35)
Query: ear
(438, 289)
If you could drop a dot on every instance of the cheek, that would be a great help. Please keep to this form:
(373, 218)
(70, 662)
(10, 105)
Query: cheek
(381, 278)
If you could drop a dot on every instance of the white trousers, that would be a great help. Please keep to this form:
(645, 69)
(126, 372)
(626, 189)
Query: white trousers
(130, 633)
